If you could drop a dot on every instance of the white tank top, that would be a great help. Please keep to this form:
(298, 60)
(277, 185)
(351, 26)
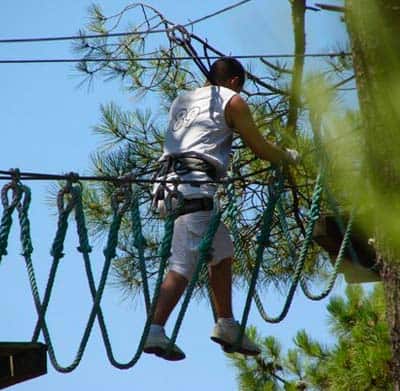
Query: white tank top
(197, 124)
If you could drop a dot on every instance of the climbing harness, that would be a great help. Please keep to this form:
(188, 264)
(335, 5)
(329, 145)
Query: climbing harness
(178, 165)
(184, 163)
(190, 206)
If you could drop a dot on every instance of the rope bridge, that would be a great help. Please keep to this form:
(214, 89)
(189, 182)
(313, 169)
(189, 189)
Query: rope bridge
(16, 199)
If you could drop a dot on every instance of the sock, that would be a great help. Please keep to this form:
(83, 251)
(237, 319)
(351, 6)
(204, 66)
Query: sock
(226, 321)
(156, 329)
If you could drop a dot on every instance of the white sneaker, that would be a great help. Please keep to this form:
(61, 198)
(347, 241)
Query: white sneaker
(158, 345)
(226, 336)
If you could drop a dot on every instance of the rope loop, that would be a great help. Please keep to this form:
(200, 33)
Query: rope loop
(64, 211)
(15, 187)
(68, 190)
(23, 207)
(8, 208)
(25, 198)
(184, 38)
(16, 195)
(61, 198)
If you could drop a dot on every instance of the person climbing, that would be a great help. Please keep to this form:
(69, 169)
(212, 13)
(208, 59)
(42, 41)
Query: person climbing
(197, 147)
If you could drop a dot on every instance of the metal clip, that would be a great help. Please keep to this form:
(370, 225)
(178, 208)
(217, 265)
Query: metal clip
(185, 35)
(172, 207)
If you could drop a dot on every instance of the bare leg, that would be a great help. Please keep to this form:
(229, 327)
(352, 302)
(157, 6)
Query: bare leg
(221, 285)
(226, 330)
(170, 293)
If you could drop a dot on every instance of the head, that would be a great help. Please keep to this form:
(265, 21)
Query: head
(227, 72)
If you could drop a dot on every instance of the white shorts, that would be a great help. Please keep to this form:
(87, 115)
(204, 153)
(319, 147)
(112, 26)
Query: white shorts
(188, 231)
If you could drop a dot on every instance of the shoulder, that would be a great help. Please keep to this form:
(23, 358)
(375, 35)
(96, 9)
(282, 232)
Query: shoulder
(237, 103)
(237, 106)
(238, 114)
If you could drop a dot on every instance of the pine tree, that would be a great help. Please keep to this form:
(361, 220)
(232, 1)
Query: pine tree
(358, 360)
(374, 29)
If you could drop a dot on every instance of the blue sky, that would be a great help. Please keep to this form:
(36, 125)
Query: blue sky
(46, 126)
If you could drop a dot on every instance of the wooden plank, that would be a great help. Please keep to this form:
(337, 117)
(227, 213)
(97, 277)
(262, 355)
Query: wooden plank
(328, 235)
(21, 361)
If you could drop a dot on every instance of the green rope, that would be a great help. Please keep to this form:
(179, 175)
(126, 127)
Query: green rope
(339, 221)
(85, 249)
(56, 252)
(27, 250)
(313, 217)
(232, 213)
(338, 262)
(8, 209)
(70, 199)
(80, 223)
(139, 242)
(164, 253)
(57, 248)
(262, 242)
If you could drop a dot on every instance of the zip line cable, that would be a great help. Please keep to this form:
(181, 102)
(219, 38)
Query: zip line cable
(223, 10)
(144, 32)
(114, 35)
(76, 37)
(164, 58)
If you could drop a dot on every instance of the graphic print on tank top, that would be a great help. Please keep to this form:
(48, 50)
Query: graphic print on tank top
(184, 118)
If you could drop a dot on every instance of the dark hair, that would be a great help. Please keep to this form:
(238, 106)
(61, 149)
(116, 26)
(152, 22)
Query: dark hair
(224, 69)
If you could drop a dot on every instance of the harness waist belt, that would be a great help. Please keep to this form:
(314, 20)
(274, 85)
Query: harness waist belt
(184, 165)
(196, 205)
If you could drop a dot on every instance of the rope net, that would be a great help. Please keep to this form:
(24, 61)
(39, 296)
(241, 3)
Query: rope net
(253, 259)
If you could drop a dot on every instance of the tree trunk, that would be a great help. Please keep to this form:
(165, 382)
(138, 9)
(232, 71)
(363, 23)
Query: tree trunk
(374, 28)
(298, 17)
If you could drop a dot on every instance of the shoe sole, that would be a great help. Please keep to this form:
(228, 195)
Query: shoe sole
(227, 347)
(160, 352)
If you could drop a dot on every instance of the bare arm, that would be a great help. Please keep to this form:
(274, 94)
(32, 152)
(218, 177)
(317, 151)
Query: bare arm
(239, 117)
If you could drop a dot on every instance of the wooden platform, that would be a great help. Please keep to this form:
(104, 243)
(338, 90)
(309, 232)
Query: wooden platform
(20, 361)
(328, 235)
